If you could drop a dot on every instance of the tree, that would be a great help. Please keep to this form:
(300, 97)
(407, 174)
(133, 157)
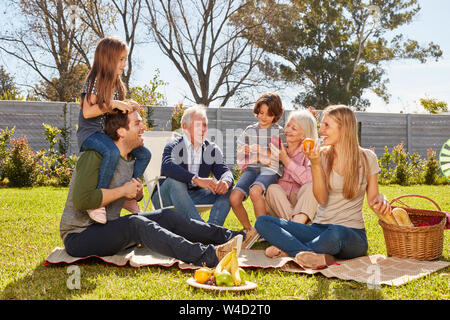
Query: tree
(209, 53)
(148, 96)
(74, 81)
(433, 106)
(58, 37)
(6, 82)
(44, 43)
(105, 16)
(333, 49)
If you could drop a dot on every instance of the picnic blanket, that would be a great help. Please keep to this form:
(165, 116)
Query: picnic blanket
(375, 270)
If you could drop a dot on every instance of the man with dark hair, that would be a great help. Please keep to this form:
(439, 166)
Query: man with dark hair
(163, 231)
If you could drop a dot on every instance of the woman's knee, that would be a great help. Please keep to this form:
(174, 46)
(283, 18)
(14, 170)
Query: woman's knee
(336, 233)
(262, 222)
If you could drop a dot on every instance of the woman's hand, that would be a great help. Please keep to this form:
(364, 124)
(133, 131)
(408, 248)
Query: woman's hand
(380, 204)
(279, 154)
(313, 155)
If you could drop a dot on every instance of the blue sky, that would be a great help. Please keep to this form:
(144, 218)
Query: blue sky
(409, 81)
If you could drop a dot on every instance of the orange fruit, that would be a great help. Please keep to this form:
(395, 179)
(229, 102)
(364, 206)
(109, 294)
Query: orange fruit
(202, 275)
(308, 144)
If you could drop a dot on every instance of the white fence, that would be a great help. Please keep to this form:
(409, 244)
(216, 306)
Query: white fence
(419, 132)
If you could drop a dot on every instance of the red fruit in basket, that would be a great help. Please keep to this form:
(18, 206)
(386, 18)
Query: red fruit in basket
(422, 224)
(276, 141)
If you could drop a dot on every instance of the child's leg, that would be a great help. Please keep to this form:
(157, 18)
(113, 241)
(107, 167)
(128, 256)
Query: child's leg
(104, 145)
(142, 156)
(256, 194)
(236, 202)
(239, 194)
(258, 189)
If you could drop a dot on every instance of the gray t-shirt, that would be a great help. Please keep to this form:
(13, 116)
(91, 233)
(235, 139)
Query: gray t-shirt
(74, 220)
(88, 126)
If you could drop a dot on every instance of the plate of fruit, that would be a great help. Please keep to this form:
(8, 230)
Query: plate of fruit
(226, 276)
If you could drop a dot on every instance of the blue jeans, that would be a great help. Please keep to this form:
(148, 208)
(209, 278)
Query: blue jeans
(291, 237)
(163, 231)
(256, 175)
(176, 193)
(104, 145)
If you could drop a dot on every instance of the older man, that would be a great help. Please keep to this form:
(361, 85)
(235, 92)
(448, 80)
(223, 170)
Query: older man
(164, 231)
(187, 163)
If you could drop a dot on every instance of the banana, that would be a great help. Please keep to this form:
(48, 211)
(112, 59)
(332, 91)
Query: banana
(235, 269)
(228, 265)
(223, 263)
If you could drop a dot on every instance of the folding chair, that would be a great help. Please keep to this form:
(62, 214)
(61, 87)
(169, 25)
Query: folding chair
(156, 141)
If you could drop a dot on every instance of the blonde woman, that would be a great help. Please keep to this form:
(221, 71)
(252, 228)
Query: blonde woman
(342, 174)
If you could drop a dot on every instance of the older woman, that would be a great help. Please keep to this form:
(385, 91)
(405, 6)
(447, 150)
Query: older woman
(291, 198)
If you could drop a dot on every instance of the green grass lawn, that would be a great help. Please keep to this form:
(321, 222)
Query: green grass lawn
(29, 231)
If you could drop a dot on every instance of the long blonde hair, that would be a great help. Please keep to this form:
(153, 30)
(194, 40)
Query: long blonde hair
(351, 151)
(106, 58)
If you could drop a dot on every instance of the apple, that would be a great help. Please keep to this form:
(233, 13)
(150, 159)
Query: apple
(276, 141)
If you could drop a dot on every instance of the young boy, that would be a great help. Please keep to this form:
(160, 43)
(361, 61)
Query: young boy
(253, 157)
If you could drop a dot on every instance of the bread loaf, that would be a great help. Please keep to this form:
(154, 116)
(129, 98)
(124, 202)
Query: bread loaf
(387, 217)
(402, 217)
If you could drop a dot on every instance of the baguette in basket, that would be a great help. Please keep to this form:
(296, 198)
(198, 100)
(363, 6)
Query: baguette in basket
(402, 217)
(386, 216)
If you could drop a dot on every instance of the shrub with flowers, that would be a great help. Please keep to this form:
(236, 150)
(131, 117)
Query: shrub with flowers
(24, 168)
(400, 167)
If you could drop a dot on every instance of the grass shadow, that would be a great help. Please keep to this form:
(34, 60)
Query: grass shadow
(46, 282)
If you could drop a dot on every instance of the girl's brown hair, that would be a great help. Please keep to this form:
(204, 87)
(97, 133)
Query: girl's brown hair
(106, 58)
(273, 102)
(352, 153)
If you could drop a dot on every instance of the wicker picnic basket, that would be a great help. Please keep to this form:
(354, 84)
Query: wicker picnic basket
(421, 243)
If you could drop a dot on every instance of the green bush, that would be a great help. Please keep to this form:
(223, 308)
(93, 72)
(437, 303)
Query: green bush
(400, 167)
(5, 137)
(431, 168)
(55, 168)
(20, 167)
